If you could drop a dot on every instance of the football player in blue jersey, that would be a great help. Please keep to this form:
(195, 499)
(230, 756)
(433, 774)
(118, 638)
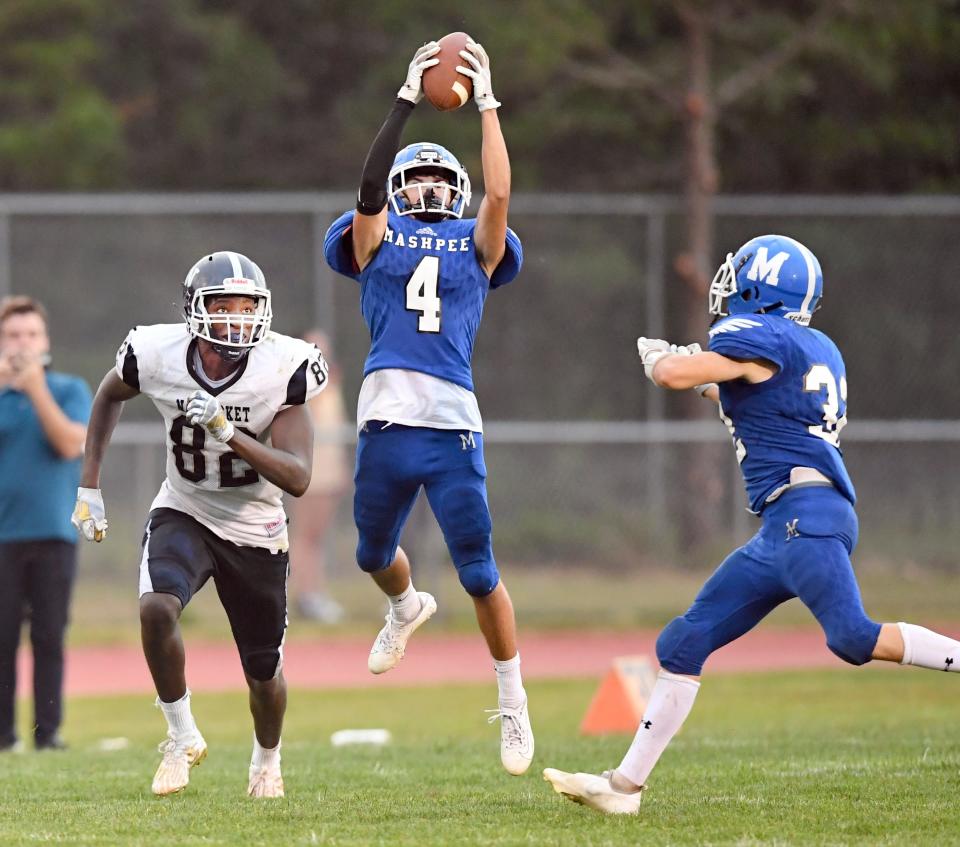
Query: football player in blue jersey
(424, 274)
(782, 391)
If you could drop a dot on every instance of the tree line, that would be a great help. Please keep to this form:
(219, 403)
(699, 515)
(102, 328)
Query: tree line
(799, 95)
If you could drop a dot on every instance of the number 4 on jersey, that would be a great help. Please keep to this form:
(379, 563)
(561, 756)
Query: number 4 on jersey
(422, 294)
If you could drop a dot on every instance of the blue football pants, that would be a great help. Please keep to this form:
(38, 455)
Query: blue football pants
(393, 462)
(802, 550)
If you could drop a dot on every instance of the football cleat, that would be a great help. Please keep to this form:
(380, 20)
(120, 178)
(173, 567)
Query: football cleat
(516, 738)
(179, 755)
(593, 791)
(387, 650)
(265, 781)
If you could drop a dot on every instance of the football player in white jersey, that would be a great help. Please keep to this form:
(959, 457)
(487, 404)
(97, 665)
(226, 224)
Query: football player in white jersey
(231, 394)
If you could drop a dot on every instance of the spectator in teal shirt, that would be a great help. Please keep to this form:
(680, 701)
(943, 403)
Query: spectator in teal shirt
(43, 418)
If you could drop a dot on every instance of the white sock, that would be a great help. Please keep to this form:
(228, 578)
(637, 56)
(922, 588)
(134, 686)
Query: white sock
(179, 717)
(925, 648)
(509, 682)
(264, 757)
(405, 606)
(670, 702)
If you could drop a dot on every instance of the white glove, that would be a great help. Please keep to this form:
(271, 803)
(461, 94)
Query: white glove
(479, 72)
(205, 410)
(412, 89)
(651, 351)
(704, 387)
(89, 516)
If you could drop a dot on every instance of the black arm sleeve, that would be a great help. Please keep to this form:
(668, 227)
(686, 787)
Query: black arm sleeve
(373, 181)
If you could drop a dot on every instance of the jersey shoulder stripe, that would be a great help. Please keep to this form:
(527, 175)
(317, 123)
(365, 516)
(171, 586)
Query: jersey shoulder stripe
(733, 325)
(302, 361)
(750, 337)
(140, 358)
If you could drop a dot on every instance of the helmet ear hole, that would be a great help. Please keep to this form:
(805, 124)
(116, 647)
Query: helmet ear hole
(750, 293)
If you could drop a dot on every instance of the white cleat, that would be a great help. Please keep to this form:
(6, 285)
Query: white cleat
(179, 755)
(387, 650)
(265, 782)
(516, 738)
(593, 791)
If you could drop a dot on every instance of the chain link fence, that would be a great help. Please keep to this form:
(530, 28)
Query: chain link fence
(584, 456)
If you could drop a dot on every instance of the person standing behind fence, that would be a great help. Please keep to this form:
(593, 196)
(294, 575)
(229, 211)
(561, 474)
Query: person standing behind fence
(43, 417)
(312, 516)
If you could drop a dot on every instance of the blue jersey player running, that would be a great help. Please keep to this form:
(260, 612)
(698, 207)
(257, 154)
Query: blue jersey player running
(782, 391)
(424, 274)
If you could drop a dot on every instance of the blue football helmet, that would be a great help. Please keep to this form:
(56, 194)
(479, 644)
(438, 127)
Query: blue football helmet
(446, 199)
(770, 274)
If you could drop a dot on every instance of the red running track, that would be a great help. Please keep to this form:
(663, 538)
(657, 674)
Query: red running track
(341, 662)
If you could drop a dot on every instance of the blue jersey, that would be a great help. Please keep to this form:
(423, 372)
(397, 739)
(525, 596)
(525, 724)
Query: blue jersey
(422, 295)
(794, 418)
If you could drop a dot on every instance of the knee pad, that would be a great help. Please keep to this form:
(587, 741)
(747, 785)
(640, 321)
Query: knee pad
(476, 568)
(682, 648)
(375, 554)
(853, 641)
(479, 578)
(261, 663)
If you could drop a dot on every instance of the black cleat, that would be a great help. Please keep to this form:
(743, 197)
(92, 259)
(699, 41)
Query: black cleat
(52, 742)
(9, 744)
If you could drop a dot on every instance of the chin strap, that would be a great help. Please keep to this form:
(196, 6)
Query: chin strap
(772, 307)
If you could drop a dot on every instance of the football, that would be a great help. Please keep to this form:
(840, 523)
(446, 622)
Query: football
(442, 85)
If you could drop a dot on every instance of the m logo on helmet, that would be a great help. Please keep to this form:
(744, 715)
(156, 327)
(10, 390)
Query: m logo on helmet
(767, 270)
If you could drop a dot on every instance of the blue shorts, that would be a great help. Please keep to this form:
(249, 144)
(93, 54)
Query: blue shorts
(802, 550)
(393, 462)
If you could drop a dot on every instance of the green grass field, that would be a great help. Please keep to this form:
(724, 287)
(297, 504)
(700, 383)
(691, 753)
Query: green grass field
(866, 756)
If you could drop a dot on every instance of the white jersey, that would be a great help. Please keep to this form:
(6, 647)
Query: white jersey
(205, 478)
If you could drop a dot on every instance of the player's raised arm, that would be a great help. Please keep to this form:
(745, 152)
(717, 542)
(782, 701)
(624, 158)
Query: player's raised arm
(491, 233)
(370, 218)
(89, 514)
